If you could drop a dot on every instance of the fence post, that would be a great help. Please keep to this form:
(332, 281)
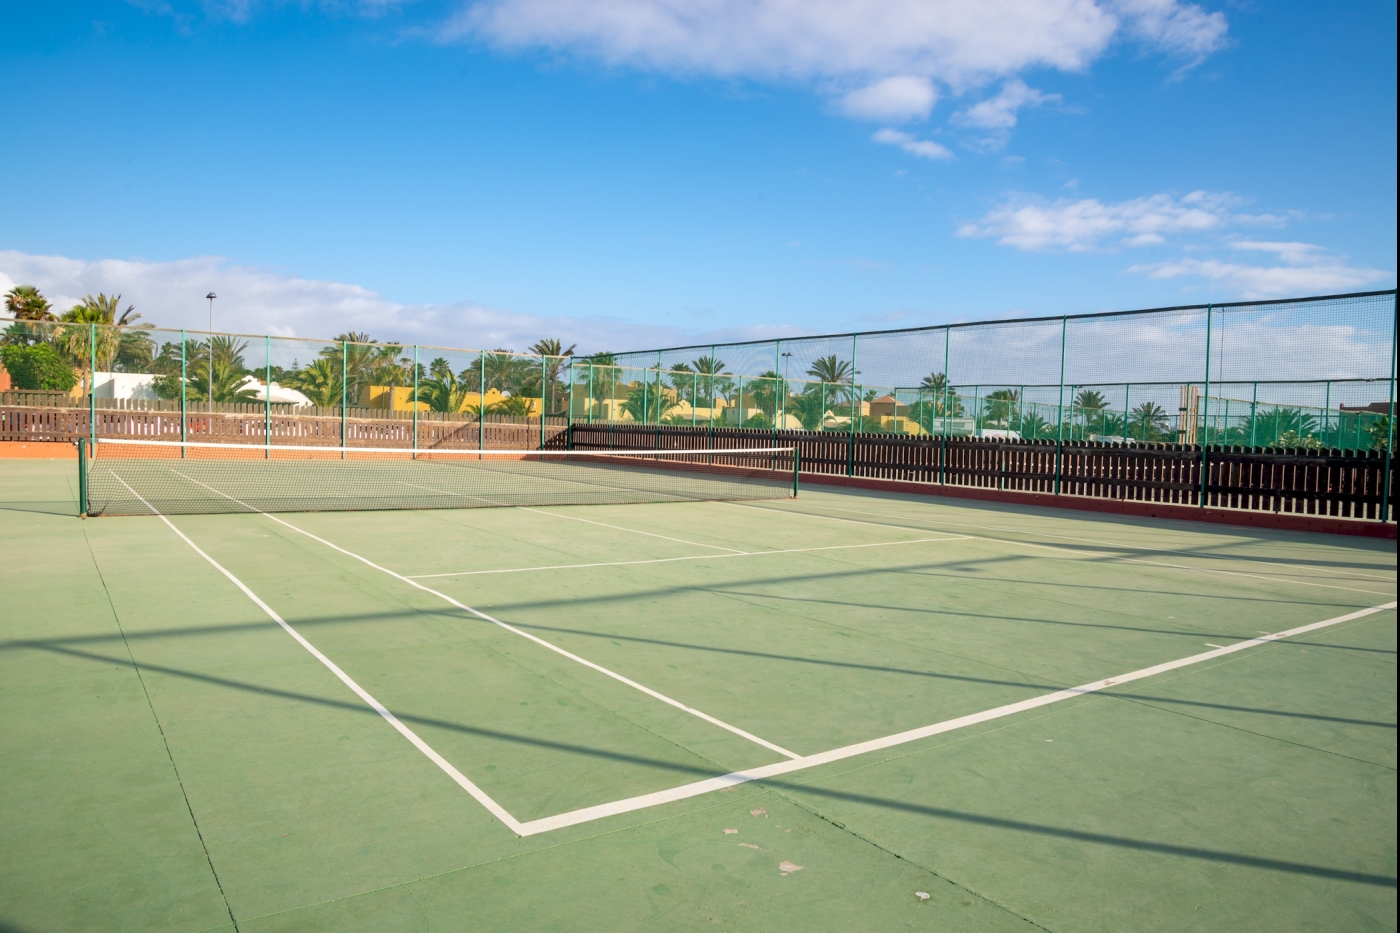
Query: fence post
(1390, 422)
(1060, 415)
(184, 395)
(344, 389)
(1326, 410)
(1254, 416)
(544, 394)
(267, 397)
(1205, 412)
(92, 381)
(947, 403)
(414, 401)
(713, 400)
(1127, 390)
(855, 401)
(481, 408)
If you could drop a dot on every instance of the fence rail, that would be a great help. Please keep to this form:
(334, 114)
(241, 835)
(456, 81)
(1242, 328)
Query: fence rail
(1344, 484)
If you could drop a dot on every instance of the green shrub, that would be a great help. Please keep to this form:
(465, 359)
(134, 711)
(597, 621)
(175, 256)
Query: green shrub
(37, 367)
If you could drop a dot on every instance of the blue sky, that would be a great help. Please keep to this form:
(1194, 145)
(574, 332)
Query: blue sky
(650, 171)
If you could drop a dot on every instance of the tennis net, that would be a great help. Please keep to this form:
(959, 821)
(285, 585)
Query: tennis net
(135, 477)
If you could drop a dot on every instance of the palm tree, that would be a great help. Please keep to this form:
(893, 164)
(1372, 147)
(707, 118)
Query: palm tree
(647, 403)
(834, 372)
(320, 382)
(1149, 422)
(765, 391)
(444, 392)
(25, 303)
(1001, 404)
(713, 381)
(88, 319)
(552, 349)
(1088, 405)
(515, 405)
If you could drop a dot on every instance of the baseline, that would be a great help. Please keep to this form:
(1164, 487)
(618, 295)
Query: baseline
(695, 789)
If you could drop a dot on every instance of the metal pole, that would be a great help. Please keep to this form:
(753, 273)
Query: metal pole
(544, 393)
(1205, 412)
(1390, 423)
(646, 396)
(344, 354)
(414, 401)
(92, 382)
(82, 479)
(947, 403)
(851, 443)
(1060, 414)
(184, 395)
(1127, 390)
(1326, 410)
(481, 409)
(1254, 417)
(694, 397)
(267, 397)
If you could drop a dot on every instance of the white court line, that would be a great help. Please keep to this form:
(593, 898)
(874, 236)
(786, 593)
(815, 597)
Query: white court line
(667, 560)
(477, 793)
(1131, 547)
(587, 814)
(525, 508)
(510, 628)
(1072, 553)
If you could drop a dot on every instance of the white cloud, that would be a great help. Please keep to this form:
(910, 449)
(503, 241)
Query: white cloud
(1307, 270)
(923, 148)
(999, 113)
(953, 42)
(1085, 224)
(903, 97)
(257, 301)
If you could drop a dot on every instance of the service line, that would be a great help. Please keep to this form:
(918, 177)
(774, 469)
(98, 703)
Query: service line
(587, 814)
(667, 560)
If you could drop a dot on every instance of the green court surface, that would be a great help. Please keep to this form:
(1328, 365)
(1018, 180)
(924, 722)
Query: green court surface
(841, 712)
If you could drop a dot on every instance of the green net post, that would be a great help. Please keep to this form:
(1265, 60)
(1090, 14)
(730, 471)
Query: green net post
(92, 381)
(184, 395)
(796, 468)
(344, 390)
(267, 397)
(1205, 413)
(414, 401)
(82, 479)
(1060, 415)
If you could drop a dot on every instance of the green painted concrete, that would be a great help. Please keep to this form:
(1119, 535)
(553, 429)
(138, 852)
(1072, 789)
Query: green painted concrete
(170, 758)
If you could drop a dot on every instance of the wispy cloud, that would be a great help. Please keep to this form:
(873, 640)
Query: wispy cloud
(1306, 269)
(923, 148)
(258, 301)
(997, 115)
(1029, 223)
(903, 97)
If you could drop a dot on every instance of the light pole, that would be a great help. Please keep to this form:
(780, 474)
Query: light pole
(211, 296)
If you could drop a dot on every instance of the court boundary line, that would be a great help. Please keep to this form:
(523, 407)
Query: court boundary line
(734, 778)
(1349, 574)
(511, 628)
(666, 560)
(462, 781)
(1064, 550)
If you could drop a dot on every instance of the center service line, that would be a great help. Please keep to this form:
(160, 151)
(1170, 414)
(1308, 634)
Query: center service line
(510, 628)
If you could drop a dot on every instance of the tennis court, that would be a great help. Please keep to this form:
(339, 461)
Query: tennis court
(840, 711)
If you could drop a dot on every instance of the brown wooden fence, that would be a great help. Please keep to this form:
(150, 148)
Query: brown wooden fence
(360, 427)
(1346, 484)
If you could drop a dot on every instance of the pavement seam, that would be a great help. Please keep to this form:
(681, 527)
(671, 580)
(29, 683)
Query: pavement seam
(165, 741)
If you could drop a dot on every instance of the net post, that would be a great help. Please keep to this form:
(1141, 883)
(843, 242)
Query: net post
(184, 395)
(82, 478)
(92, 381)
(267, 397)
(414, 401)
(344, 389)
(796, 467)
(1205, 415)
